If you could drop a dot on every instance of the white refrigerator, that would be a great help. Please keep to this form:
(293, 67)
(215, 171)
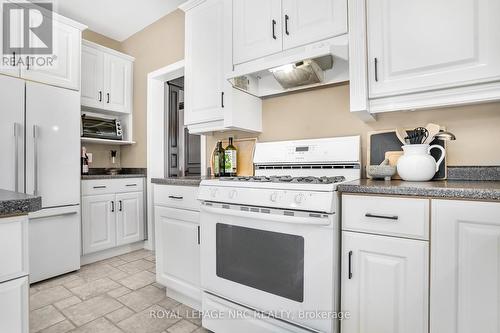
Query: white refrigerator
(40, 144)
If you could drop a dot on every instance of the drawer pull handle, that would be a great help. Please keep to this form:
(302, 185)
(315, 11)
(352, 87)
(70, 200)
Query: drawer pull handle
(131, 185)
(102, 186)
(350, 262)
(175, 197)
(385, 217)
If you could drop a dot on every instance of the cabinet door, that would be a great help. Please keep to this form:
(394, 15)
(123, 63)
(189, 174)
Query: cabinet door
(129, 218)
(62, 68)
(307, 22)
(204, 78)
(14, 306)
(431, 44)
(92, 77)
(117, 84)
(257, 29)
(178, 250)
(98, 223)
(465, 267)
(12, 133)
(8, 64)
(388, 286)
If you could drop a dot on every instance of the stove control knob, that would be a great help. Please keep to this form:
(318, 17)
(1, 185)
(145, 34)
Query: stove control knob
(213, 192)
(299, 198)
(274, 196)
(232, 194)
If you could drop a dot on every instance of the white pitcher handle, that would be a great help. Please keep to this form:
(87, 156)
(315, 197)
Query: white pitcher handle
(441, 158)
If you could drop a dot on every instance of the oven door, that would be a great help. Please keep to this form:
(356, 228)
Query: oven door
(271, 260)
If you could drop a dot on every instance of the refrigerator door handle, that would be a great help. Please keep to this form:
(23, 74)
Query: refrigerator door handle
(35, 160)
(16, 157)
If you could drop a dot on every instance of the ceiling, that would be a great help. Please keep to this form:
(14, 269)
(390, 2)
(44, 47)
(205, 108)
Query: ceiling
(117, 19)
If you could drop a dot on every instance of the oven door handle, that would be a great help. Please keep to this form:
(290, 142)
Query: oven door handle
(319, 221)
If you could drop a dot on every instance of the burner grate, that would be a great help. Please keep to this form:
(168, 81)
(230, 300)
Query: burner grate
(287, 179)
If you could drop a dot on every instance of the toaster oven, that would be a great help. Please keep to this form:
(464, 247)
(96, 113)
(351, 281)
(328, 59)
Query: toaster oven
(101, 128)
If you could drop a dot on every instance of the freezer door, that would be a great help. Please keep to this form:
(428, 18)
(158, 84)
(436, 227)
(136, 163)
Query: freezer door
(12, 134)
(53, 144)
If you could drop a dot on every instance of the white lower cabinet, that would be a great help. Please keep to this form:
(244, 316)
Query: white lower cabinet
(177, 235)
(14, 283)
(14, 306)
(111, 218)
(465, 267)
(384, 284)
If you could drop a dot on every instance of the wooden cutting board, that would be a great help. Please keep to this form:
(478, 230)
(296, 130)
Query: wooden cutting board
(246, 149)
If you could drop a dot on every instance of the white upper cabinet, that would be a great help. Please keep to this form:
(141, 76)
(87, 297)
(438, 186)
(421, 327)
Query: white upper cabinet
(257, 29)
(106, 79)
(211, 103)
(205, 63)
(422, 45)
(306, 21)
(8, 64)
(465, 260)
(62, 68)
(92, 77)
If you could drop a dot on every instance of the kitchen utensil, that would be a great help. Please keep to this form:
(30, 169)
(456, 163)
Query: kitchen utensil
(445, 136)
(417, 164)
(417, 136)
(384, 170)
(432, 130)
(401, 134)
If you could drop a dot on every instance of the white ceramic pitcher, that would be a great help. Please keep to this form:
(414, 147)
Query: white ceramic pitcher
(417, 164)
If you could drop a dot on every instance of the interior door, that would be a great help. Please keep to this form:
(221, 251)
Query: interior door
(92, 77)
(257, 29)
(53, 144)
(423, 45)
(308, 21)
(384, 284)
(129, 218)
(62, 67)
(98, 222)
(117, 84)
(465, 259)
(12, 134)
(204, 54)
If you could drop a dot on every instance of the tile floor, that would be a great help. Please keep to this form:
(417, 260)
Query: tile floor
(116, 295)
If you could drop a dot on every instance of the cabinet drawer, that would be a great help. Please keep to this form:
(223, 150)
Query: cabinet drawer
(107, 186)
(403, 217)
(13, 247)
(184, 197)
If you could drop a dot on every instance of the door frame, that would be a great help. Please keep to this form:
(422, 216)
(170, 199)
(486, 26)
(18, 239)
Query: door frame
(156, 134)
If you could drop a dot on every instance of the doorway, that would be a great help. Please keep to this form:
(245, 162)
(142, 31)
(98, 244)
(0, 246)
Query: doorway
(183, 149)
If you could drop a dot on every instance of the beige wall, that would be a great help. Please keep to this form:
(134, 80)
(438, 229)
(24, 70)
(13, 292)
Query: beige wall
(316, 113)
(101, 39)
(157, 46)
(325, 112)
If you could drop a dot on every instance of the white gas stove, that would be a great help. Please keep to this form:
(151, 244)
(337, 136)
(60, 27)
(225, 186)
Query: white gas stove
(270, 242)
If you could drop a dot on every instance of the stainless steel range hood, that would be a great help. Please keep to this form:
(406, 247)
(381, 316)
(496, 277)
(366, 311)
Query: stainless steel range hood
(313, 65)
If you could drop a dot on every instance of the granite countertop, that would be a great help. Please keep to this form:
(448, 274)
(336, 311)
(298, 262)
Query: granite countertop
(180, 181)
(14, 203)
(128, 175)
(445, 189)
(102, 173)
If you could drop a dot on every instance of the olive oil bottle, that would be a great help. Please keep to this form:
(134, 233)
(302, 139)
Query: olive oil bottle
(219, 164)
(231, 159)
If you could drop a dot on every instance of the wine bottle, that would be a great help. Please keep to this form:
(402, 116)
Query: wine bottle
(231, 159)
(85, 162)
(218, 160)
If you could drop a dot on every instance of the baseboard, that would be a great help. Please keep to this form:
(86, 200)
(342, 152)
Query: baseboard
(109, 253)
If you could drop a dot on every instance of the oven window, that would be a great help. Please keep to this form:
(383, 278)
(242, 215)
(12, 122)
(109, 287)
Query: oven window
(269, 261)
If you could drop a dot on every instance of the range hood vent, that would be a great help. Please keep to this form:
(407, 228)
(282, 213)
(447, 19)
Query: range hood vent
(313, 65)
(302, 73)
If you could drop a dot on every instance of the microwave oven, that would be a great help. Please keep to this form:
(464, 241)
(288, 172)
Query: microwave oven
(101, 128)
